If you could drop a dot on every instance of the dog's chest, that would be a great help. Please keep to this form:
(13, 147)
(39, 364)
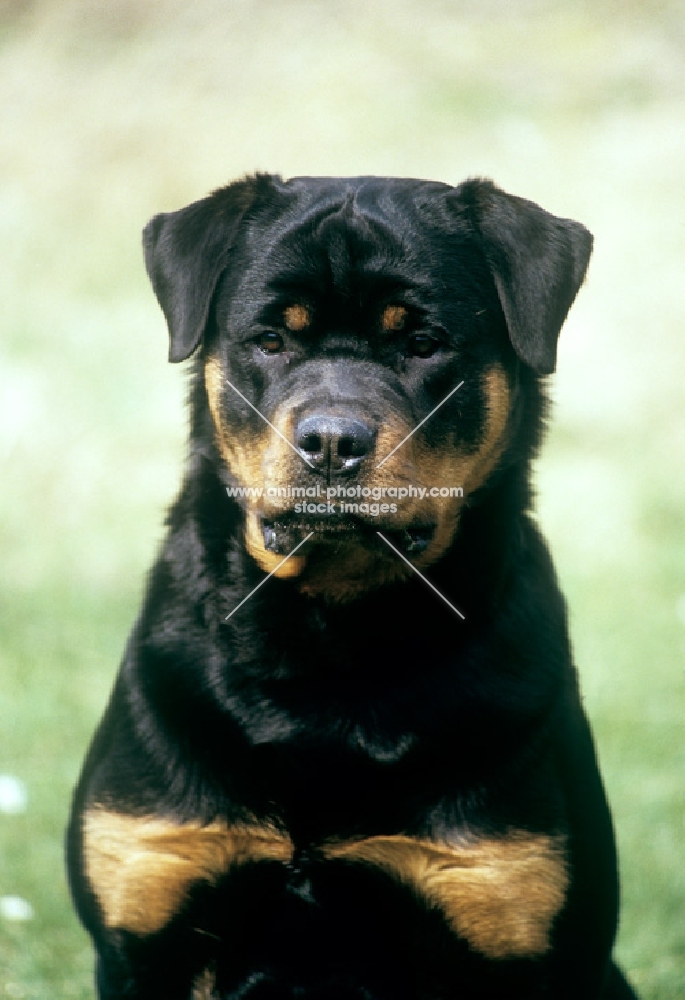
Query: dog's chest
(500, 894)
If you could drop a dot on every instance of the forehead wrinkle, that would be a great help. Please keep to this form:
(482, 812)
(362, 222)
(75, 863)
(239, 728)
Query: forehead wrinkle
(334, 248)
(348, 243)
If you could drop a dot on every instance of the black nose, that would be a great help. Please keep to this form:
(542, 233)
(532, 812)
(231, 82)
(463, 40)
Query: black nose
(333, 442)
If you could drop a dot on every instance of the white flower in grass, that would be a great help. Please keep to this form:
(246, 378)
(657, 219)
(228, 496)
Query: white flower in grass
(15, 908)
(13, 795)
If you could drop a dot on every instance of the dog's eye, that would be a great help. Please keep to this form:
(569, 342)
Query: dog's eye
(422, 346)
(270, 343)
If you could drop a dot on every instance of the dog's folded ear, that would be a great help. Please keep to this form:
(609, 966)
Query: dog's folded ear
(538, 263)
(186, 252)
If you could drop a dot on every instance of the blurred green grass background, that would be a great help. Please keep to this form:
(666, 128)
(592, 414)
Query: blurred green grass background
(114, 111)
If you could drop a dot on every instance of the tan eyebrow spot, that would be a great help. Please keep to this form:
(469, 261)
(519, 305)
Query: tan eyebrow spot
(394, 318)
(297, 318)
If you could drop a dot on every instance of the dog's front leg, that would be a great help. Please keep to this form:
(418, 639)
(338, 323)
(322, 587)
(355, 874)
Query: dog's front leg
(137, 880)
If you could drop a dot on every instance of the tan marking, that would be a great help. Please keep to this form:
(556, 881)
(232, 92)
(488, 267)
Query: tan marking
(341, 573)
(253, 463)
(297, 318)
(416, 464)
(394, 318)
(501, 894)
(254, 542)
(142, 868)
(489, 453)
(469, 471)
(242, 454)
(259, 460)
(203, 987)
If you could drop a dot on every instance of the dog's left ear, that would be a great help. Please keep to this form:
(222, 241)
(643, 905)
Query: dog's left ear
(186, 252)
(538, 263)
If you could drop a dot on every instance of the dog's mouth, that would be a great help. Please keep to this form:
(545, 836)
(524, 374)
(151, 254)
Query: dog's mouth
(282, 535)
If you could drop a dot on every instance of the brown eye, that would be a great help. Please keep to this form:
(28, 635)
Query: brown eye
(422, 346)
(270, 343)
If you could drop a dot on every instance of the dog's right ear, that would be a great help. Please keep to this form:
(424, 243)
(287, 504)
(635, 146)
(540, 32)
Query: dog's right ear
(186, 252)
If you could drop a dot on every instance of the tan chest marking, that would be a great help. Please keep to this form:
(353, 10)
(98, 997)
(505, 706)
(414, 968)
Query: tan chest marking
(142, 868)
(500, 894)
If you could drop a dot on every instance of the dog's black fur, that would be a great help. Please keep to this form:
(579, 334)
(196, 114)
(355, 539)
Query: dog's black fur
(342, 790)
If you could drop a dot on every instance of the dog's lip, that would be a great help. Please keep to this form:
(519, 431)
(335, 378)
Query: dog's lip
(282, 534)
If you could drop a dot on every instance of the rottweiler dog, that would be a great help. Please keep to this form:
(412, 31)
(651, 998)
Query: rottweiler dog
(345, 757)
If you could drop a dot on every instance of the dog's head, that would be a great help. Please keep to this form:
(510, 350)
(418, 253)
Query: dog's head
(362, 340)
